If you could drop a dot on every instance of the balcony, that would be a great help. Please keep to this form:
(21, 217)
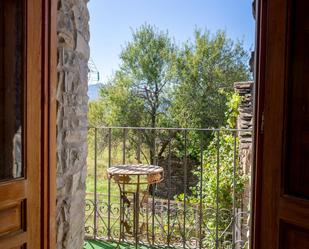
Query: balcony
(202, 202)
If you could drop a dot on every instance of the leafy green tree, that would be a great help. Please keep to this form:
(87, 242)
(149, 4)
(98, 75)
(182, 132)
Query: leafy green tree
(97, 113)
(160, 85)
(138, 94)
(219, 182)
(206, 68)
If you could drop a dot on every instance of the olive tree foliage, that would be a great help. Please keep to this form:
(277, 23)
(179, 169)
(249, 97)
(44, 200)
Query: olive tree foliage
(97, 113)
(161, 85)
(138, 94)
(207, 68)
(221, 181)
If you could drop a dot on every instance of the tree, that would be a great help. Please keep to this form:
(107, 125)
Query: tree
(138, 94)
(97, 113)
(206, 69)
(220, 184)
(161, 85)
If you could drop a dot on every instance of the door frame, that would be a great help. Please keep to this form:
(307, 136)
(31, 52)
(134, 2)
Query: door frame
(49, 108)
(49, 82)
(269, 202)
(259, 95)
(49, 112)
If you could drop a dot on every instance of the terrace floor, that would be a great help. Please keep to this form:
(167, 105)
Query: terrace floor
(95, 244)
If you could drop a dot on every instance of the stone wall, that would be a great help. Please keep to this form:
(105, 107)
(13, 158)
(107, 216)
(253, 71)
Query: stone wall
(73, 55)
(245, 122)
(245, 117)
(176, 172)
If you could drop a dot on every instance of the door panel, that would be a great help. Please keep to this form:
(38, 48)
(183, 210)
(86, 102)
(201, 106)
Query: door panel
(292, 236)
(297, 147)
(20, 123)
(11, 217)
(282, 145)
(11, 90)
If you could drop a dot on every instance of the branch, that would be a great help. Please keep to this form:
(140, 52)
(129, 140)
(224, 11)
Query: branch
(142, 152)
(166, 142)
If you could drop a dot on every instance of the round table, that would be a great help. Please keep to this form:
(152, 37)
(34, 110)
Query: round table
(134, 176)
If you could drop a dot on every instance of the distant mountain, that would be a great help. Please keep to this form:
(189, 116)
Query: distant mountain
(94, 91)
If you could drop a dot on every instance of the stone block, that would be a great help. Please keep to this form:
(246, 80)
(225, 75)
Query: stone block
(82, 46)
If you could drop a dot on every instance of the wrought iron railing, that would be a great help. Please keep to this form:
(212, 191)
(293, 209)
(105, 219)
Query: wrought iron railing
(200, 204)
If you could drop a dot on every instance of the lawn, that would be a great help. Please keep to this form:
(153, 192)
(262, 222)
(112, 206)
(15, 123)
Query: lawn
(102, 188)
(104, 219)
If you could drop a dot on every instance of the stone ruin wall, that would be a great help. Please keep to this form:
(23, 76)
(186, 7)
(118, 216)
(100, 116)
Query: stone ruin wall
(173, 183)
(73, 54)
(245, 122)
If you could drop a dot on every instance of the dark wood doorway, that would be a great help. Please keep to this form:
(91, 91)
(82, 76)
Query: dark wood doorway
(281, 207)
(27, 108)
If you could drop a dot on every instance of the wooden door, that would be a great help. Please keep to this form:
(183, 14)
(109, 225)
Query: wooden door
(25, 193)
(281, 207)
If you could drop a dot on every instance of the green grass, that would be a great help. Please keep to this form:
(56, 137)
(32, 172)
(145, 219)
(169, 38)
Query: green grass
(102, 163)
(102, 180)
(102, 195)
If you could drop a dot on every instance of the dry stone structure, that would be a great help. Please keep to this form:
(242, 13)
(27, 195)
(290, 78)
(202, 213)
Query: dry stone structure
(245, 117)
(73, 55)
(175, 171)
(245, 123)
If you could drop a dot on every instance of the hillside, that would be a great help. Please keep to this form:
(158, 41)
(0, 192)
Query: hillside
(93, 91)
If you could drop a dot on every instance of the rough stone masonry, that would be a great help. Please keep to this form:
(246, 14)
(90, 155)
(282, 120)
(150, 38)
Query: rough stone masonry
(73, 55)
(245, 123)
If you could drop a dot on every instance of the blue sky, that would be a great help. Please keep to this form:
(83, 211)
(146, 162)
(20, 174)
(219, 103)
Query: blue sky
(111, 22)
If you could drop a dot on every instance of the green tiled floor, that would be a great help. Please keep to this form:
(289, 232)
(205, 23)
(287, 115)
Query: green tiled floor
(94, 244)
